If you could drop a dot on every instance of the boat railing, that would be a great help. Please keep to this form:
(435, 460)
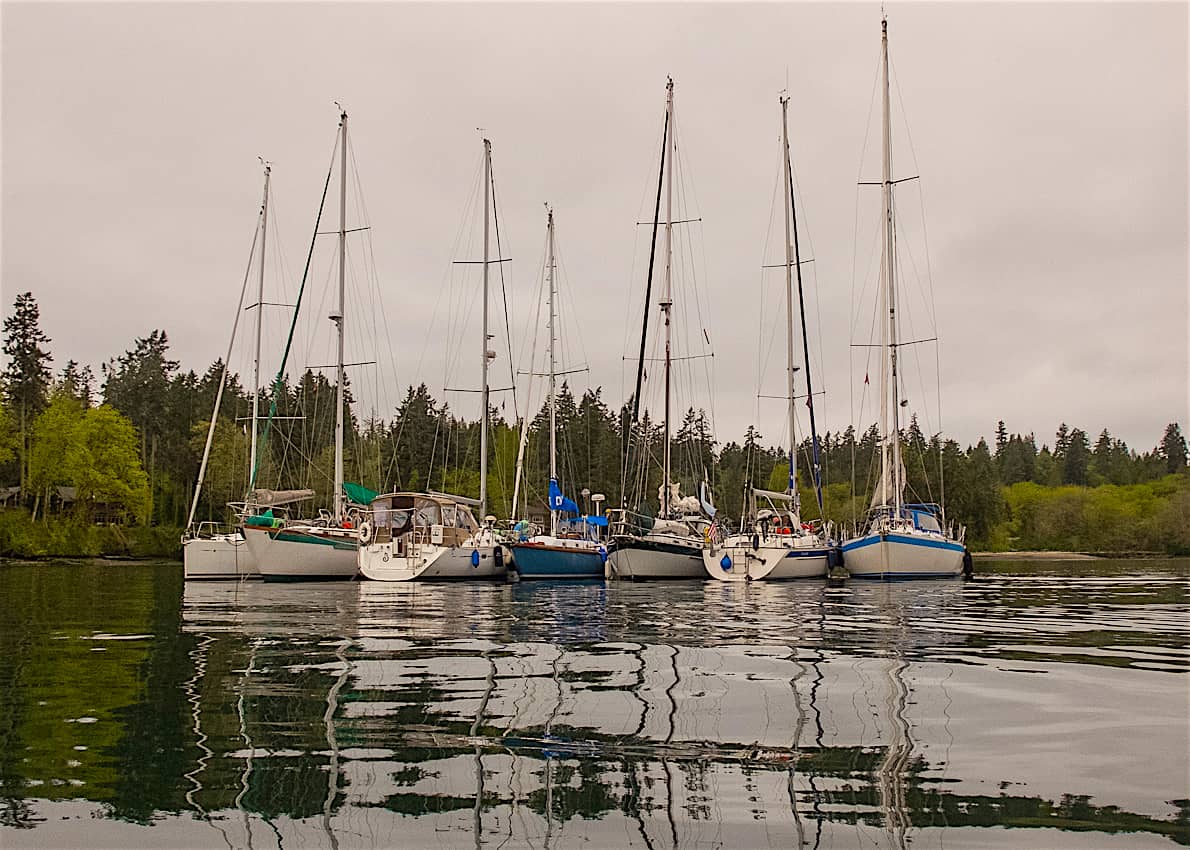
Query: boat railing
(209, 530)
(622, 522)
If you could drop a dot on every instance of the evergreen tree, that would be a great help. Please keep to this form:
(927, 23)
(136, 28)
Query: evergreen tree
(1173, 448)
(1061, 442)
(77, 382)
(1017, 461)
(985, 501)
(1077, 459)
(137, 384)
(919, 484)
(1046, 470)
(27, 376)
(1111, 462)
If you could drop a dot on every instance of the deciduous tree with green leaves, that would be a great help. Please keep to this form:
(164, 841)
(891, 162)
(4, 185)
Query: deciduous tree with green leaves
(113, 474)
(91, 449)
(57, 449)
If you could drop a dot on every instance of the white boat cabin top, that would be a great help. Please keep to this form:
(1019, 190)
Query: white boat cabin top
(397, 513)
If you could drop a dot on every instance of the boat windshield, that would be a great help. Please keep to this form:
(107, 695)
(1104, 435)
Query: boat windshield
(388, 516)
(462, 518)
(926, 521)
(457, 516)
(427, 512)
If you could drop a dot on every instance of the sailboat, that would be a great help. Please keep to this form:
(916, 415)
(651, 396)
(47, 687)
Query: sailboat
(778, 545)
(669, 546)
(434, 536)
(210, 551)
(325, 548)
(559, 554)
(899, 540)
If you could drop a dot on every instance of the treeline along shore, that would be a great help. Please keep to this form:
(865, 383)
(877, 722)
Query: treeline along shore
(106, 464)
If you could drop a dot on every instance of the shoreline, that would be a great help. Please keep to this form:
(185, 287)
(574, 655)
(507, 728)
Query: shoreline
(1041, 555)
(1035, 555)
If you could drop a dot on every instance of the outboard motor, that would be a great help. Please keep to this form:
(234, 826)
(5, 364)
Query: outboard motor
(968, 563)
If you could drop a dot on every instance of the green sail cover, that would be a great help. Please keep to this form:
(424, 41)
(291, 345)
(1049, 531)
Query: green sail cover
(359, 494)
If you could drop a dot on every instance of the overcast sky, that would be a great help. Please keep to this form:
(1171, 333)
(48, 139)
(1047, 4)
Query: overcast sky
(1051, 141)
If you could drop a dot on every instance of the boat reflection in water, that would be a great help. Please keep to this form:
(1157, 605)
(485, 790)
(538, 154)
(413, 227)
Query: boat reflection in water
(559, 714)
(506, 714)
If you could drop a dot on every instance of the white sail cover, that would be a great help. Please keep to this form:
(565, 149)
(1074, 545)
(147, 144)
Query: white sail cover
(276, 498)
(883, 495)
(672, 526)
(679, 504)
(772, 494)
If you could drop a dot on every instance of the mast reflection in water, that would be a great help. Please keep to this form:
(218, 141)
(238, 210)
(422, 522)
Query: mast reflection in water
(554, 715)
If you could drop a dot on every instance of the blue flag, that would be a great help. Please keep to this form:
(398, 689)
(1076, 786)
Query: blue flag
(558, 502)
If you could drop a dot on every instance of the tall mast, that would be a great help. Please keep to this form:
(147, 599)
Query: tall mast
(338, 318)
(790, 368)
(890, 390)
(264, 230)
(553, 402)
(815, 469)
(483, 427)
(644, 331)
(206, 452)
(667, 302)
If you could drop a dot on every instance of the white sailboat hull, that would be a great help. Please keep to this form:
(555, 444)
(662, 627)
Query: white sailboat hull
(775, 559)
(655, 557)
(902, 555)
(481, 560)
(224, 556)
(303, 552)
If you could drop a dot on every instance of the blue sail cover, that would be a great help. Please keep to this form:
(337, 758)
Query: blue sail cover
(558, 502)
(704, 499)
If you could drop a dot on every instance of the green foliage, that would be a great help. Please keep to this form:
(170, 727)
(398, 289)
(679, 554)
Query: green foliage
(778, 480)
(1017, 459)
(94, 450)
(27, 376)
(76, 382)
(9, 438)
(227, 467)
(1173, 448)
(1150, 517)
(145, 461)
(57, 453)
(72, 536)
(113, 474)
(1077, 459)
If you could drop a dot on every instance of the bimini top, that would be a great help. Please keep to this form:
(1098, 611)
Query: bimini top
(405, 499)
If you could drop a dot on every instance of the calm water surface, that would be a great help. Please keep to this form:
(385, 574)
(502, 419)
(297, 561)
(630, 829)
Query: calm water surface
(1041, 705)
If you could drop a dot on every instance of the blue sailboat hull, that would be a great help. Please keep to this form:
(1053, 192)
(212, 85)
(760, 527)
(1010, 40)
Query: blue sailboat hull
(536, 561)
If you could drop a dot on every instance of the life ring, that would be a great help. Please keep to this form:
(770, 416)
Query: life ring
(365, 532)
